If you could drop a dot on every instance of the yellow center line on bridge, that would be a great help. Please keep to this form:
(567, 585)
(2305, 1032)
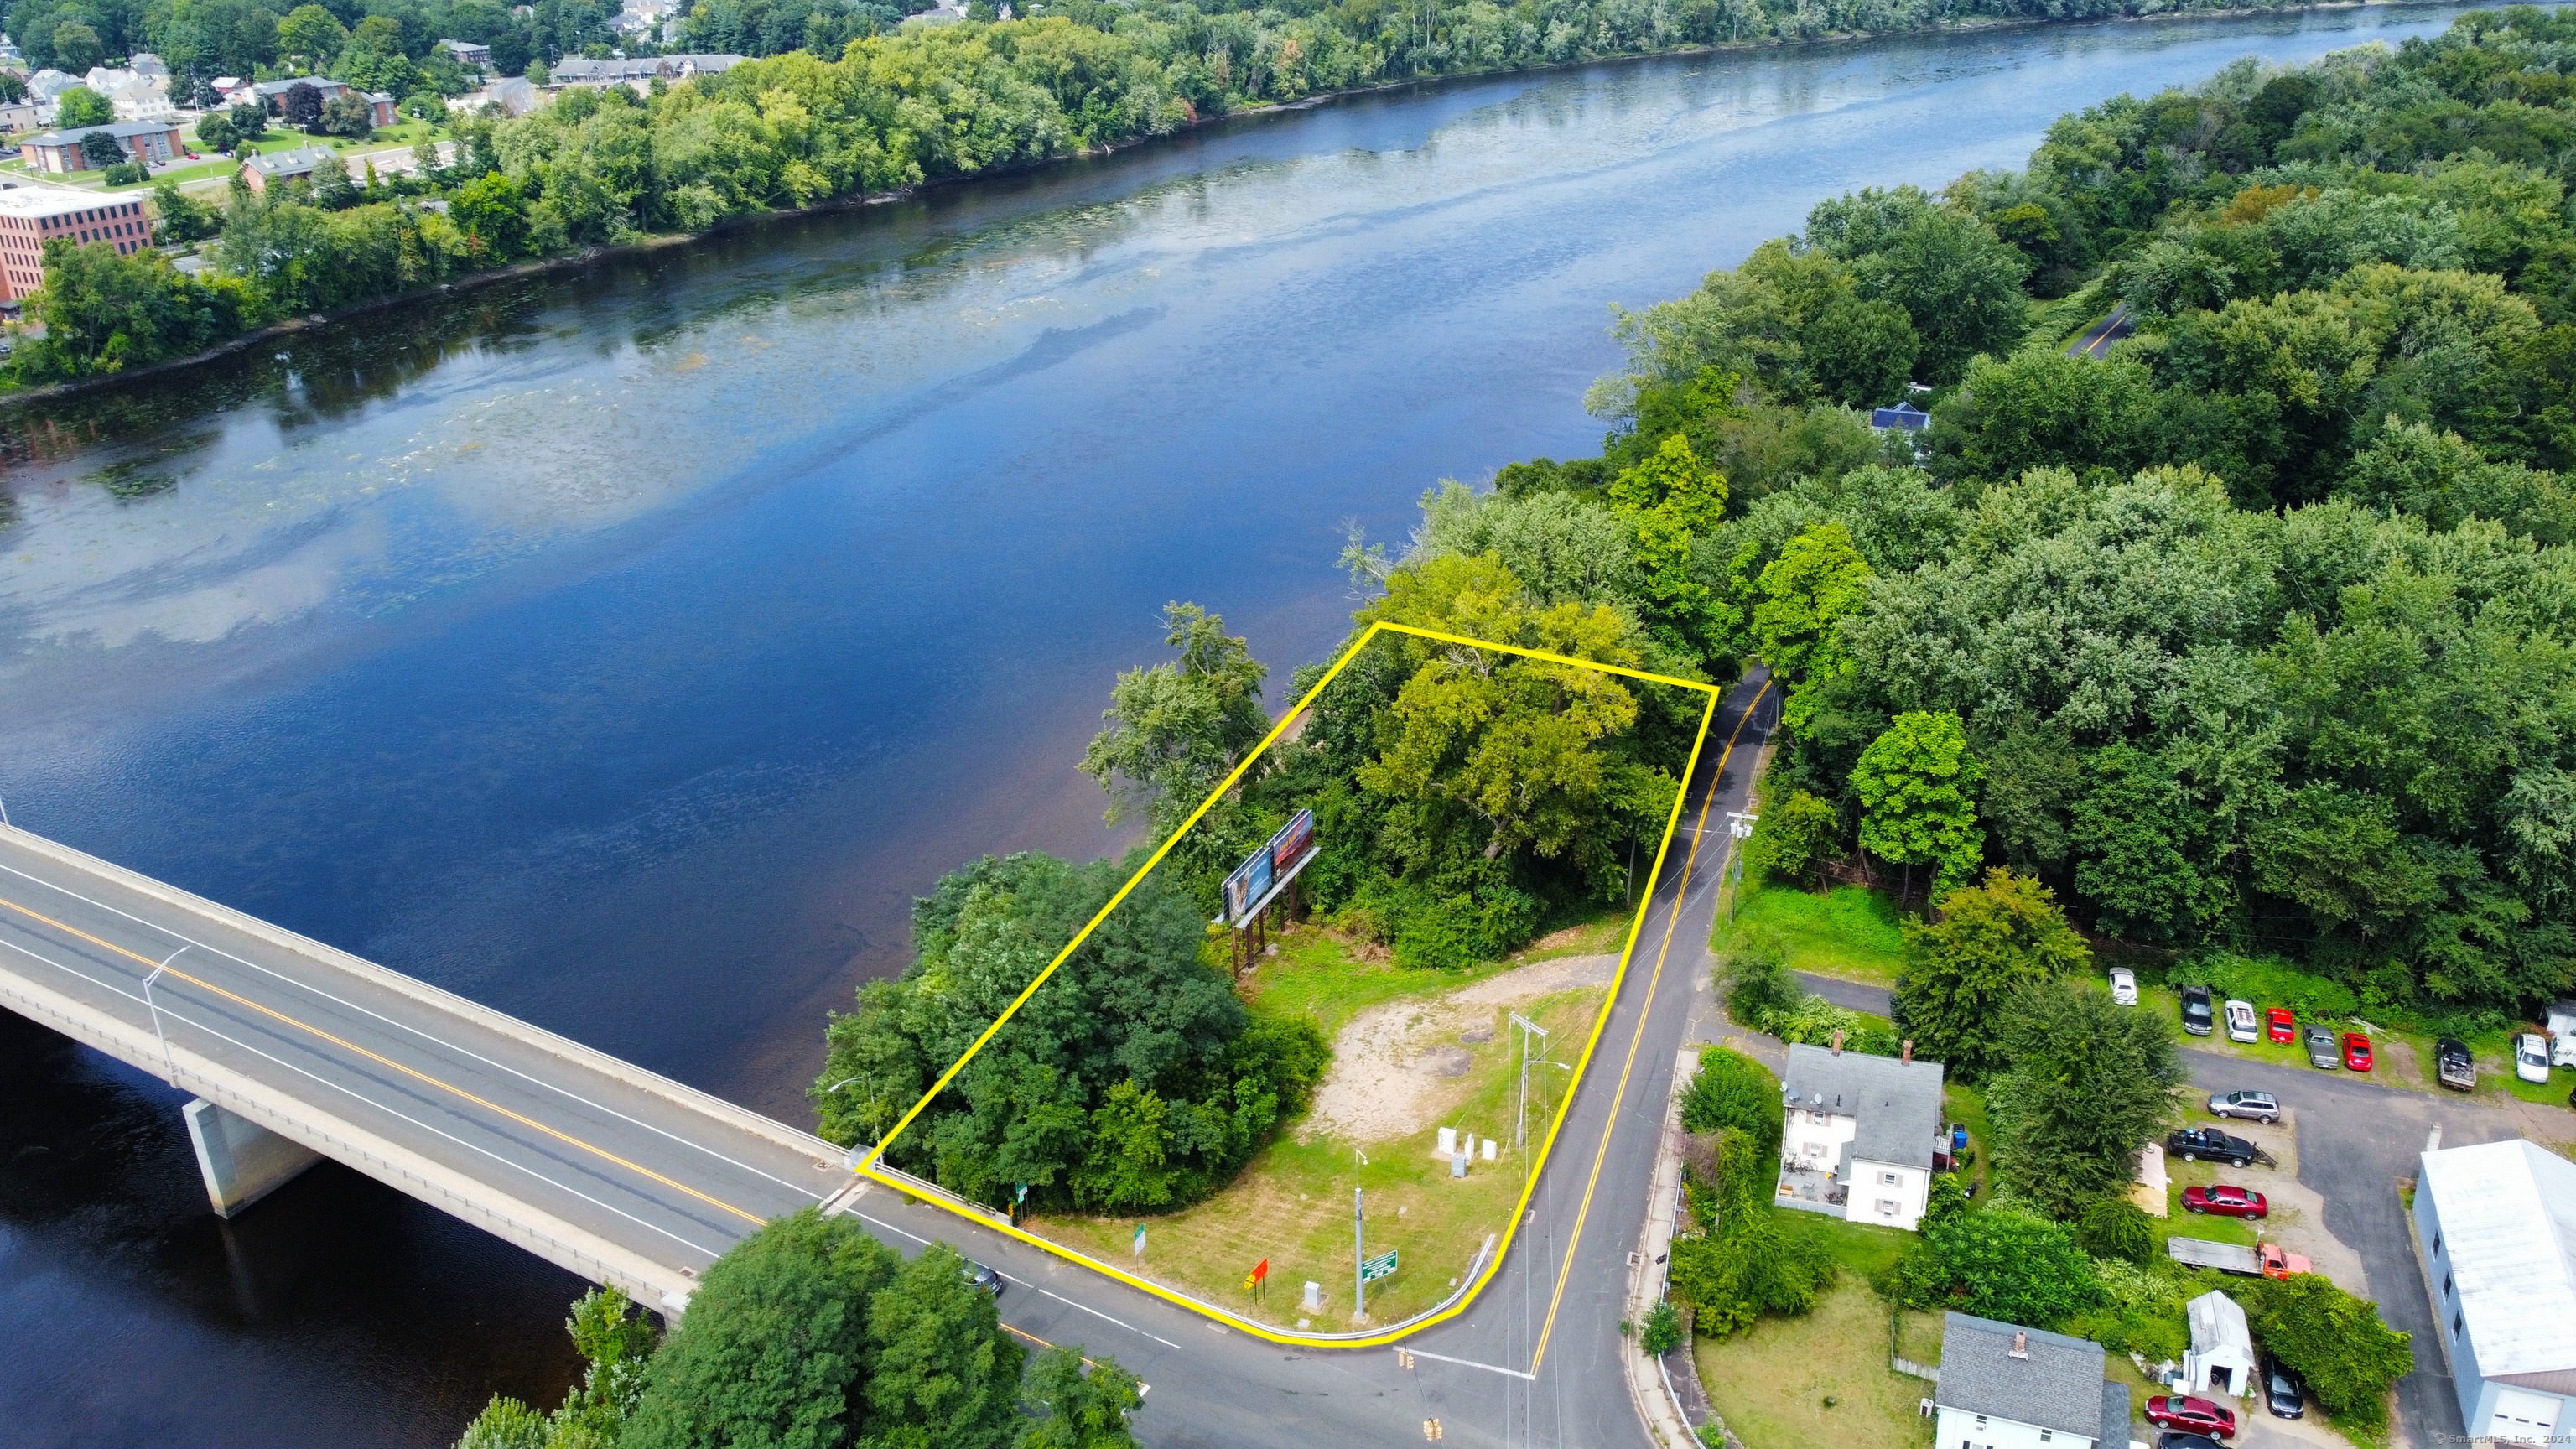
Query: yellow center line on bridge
(565, 1137)
(1644, 1009)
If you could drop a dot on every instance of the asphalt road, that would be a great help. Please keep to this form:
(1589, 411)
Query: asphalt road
(2097, 339)
(651, 1173)
(2357, 1140)
(1532, 1362)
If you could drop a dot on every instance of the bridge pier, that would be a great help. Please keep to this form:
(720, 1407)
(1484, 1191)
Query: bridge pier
(242, 1161)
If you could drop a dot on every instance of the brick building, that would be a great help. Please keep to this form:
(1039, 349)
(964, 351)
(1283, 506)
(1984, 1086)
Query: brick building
(31, 216)
(60, 151)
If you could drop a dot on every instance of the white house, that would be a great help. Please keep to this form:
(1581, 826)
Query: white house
(1859, 1136)
(2003, 1386)
(2497, 1227)
(2221, 1357)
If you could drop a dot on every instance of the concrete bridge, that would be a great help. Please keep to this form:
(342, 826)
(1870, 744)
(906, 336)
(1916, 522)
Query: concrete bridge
(297, 1051)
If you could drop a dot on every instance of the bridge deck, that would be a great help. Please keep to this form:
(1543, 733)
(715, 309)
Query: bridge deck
(616, 1173)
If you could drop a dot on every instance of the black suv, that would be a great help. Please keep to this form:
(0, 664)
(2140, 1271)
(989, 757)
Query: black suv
(2196, 1016)
(2283, 1394)
(2192, 1144)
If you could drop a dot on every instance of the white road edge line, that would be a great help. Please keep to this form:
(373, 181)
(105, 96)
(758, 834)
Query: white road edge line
(1402, 1351)
(712, 1253)
(416, 1031)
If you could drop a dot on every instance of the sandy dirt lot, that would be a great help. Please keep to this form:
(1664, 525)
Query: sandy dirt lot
(1393, 1064)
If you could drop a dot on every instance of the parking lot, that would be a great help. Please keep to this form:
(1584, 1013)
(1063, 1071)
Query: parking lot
(2356, 1142)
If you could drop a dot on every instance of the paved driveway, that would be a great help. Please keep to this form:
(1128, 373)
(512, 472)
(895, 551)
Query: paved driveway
(2356, 1142)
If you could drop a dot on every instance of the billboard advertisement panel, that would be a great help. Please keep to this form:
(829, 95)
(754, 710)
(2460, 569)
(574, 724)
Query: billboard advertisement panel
(1292, 841)
(1252, 880)
(1249, 883)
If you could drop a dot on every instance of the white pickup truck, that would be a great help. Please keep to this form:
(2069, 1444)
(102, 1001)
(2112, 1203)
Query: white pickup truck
(2562, 1033)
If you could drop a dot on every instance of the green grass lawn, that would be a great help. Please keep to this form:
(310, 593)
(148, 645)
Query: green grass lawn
(1862, 1250)
(1292, 1205)
(1818, 1379)
(1967, 1107)
(1849, 932)
(1322, 974)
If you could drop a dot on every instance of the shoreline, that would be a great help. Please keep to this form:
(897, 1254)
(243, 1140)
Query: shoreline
(12, 399)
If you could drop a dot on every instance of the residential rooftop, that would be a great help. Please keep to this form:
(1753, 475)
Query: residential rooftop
(1897, 1104)
(2055, 1382)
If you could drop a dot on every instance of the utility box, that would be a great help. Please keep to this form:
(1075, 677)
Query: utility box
(1314, 1302)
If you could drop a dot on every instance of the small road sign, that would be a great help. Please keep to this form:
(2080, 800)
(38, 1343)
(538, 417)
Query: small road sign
(1378, 1267)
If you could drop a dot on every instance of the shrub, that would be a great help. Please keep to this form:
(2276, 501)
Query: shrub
(124, 173)
(1662, 1331)
(1751, 1269)
(2141, 1311)
(2001, 1263)
(2334, 1341)
(1792, 836)
(2267, 981)
(2114, 1228)
(1759, 985)
(1734, 1090)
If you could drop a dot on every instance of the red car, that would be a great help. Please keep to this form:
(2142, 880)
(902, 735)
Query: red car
(2227, 1202)
(2280, 1026)
(2198, 1416)
(2356, 1051)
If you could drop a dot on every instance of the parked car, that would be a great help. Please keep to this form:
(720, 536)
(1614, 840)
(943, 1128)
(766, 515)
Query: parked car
(2453, 1067)
(2124, 986)
(2191, 1144)
(2180, 1439)
(984, 1278)
(2531, 1057)
(2283, 1394)
(2226, 1202)
(2319, 1039)
(2240, 1021)
(2263, 1107)
(2196, 1016)
(2356, 1051)
(2280, 1026)
(2199, 1416)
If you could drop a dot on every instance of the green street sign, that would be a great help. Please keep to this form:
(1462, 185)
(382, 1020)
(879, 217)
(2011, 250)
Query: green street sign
(1372, 1269)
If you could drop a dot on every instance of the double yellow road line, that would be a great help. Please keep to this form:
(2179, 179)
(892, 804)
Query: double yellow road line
(387, 1062)
(1645, 1008)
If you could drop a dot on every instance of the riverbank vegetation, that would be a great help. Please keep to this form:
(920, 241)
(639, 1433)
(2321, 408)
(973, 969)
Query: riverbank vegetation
(2248, 633)
(812, 1333)
(1464, 799)
(847, 102)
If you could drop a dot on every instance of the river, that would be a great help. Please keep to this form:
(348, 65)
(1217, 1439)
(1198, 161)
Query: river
(625, 649)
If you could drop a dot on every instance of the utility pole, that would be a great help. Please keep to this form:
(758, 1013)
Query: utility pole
(1740, 826)
(1528, 1029)
(1359, 1258)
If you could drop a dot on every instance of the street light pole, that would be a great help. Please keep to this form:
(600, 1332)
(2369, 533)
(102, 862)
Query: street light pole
(1739, 825)
(1359, 1257)
(851, 1158)
(170, 1069)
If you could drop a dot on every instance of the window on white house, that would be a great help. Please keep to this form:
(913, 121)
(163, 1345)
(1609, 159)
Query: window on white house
(1888, 1177)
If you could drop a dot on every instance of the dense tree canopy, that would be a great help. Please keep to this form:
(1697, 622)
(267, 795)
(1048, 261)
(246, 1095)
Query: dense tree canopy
(2088, 1082)
(1134, 1079)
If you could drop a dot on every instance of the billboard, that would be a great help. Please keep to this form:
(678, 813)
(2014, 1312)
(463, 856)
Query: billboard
(1266, 869)
(1245, 888)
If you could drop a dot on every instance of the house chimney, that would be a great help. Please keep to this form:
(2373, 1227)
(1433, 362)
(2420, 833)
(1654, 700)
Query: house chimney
(2021, 1344)
(1838, 1041)
(1906, 1055)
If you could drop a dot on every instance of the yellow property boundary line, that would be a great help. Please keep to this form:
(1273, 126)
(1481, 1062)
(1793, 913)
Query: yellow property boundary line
(1458, 1303)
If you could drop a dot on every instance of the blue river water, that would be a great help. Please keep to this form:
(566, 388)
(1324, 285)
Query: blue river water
(626, 648)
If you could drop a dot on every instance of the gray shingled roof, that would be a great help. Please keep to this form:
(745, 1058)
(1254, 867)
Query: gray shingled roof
(2059, 1386)
(2115, 1415)
(1897, 1104)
